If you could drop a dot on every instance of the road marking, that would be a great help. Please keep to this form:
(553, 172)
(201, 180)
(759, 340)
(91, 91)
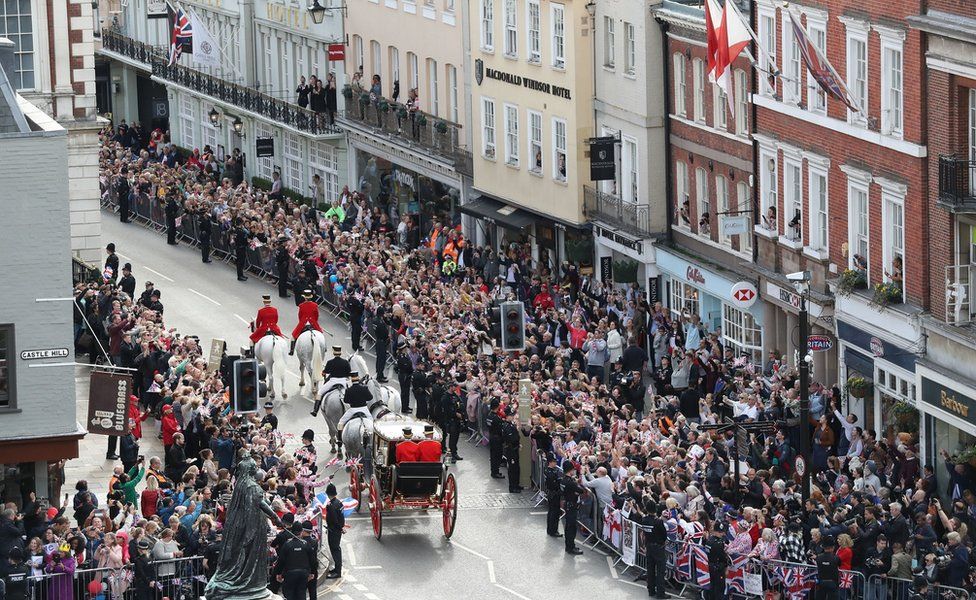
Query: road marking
(349, 578)
(371, 567)
(371, 596)
(205, 297)
(360, 587)
(491, 571)
(613, 570)
(512, 592)
(292, 373)
(242, 319)
(345, 597)
(124, 257)
(539, 512)
(352, 554)
(158, 273)
(468, 550)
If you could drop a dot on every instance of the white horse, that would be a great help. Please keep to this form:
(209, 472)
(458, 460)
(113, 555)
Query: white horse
(333, 407)
(271, 351)
(388, 395)
(310, 349)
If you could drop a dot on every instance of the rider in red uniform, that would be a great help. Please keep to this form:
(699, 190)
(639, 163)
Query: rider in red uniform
(267, 320)
(308, 314)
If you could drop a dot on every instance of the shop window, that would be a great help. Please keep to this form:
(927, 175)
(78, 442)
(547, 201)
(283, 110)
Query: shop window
(897, 397)
(265, 164)
(293, 161)
(741, 333)
(683, 299)
(7, 362)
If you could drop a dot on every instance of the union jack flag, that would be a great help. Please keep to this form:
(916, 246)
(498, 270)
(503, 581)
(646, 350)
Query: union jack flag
(797, 581)
(682, 564)
(703, 577)
(846, 580)
(735, 577)
(820, 68)
(181, 33)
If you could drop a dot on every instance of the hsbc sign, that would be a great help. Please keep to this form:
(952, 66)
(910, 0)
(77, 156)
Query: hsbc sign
(744, 294)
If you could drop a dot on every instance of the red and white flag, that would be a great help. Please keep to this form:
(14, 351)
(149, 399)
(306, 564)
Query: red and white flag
(727, 36)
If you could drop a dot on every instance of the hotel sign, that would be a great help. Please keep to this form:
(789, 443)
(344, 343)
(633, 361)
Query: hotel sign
(526, 82)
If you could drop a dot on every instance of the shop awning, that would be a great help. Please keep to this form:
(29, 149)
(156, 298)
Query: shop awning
(485, 207)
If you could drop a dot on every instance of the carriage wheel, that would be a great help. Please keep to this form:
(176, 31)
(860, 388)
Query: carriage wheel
(354, 490)
(449, 504)
(376, 507)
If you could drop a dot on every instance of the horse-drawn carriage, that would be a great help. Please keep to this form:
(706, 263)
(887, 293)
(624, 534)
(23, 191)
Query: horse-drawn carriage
(403, 481)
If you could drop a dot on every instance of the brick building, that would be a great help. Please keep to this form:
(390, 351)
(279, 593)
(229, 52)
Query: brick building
(843, 194)
(945, 377)
(710, 162)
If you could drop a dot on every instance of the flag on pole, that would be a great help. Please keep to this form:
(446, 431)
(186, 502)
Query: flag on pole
(205, 49)
(730, 37)
(820, 68)
(181, 33)
(713, 22)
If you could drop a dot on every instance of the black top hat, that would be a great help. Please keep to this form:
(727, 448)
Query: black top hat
(307, 525)
(407, 432)
(269, 404)
(266, 297)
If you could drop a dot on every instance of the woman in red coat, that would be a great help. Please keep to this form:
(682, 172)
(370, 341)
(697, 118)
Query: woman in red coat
(170, 426)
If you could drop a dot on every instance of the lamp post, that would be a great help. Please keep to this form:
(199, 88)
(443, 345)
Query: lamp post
(318, 11)
(801, 282)
(214, 117)
(239, 127)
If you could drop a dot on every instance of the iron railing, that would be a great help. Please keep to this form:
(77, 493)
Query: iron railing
(419, 129)
(957, 182)
(626, 216)
(242, 97)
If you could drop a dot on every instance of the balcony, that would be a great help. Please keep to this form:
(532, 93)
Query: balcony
(242, 97)
(418, 130)
(959, 294)
(634, 219)
(957, 184)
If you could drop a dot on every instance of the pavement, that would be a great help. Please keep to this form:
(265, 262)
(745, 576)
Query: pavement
(499, 548)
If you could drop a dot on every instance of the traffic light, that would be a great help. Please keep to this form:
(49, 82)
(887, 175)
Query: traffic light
(513, 326)
(248, 385)
(495, 319)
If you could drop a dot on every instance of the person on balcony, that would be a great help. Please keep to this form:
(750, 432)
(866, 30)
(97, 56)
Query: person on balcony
(331, 100)
(303, 91)
(317, 98)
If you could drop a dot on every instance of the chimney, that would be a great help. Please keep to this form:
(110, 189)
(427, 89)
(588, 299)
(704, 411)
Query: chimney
(7, 59)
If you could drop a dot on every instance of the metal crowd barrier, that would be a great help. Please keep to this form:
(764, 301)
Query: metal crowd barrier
(176, 578)
(892, 588)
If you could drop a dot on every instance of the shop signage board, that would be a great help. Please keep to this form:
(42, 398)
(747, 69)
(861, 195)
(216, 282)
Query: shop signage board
(877, 347)
(819, 343)
(337, 52)
(744, 294)
(603, 165)
(949, 400)
(108, 403)
(264, 147)
(156, 9)
(734, 224)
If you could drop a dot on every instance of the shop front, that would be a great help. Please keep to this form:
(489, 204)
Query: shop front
(622, 259)
(948, 404)
(783, 325)
(694, 289)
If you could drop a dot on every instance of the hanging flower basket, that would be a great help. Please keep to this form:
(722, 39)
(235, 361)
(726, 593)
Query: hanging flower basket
(364, 98)
(347, 91)
(422, 120)
(440, 127)
(858, 387)
(887, 293)
(401, 111)
(383, 105)
(850, 280)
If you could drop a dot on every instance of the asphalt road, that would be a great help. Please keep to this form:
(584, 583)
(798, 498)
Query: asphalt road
(499, 548)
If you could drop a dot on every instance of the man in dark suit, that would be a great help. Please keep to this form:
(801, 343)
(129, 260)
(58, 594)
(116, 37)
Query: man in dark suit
(128, 283)
(122, 191)
(335, 523)
(205, 234)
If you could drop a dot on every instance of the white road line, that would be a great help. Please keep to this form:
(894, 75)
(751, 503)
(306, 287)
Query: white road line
(511, 591)
(539, 512)
(491, 571)
(332, 588)
(345, 597)
(242, 319)
(205, 297)
(613, 570)
(124, 257)
(158, 273)
(360, 587)
(351, 554)
(371, 596)
(469, 550)
(349, 578)
(292, 373)
(370, 567)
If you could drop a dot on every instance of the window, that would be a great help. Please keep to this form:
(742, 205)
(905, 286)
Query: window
(699, 89)
(511, 135)
(768, 190)
(377, 55)
(432, 85)
(858, 254)
(743, 199)
(395, 65)
(741, 332)
(741, 92)
(16, 25)
(816, 98)
(680, 87)
(270, 42)
(535, 142)
(630, 49)
(323, 160)
(511, 28)
(293, 161)
(793, 199)
(719, 104)
(818, 208)
(533, 20)
(767, 33)
(413, 71)
(722, 202)
(704, 204)
(188, 121)
(609, 42)
(891, 88)
(452, 86)
(682, 196)
(557, 20)
(684, 299)
(209, 134)
(488, 127)
(559, 149)
(791, 66)
(893, 232)
(487, 25)
(857, 74)
(264, 165)
(449, 5)
(8, 364)
(628, 170)
(360, 54)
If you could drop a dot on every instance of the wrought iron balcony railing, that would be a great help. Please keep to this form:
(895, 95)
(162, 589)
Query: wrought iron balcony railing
(957, 184)
(434, 134)
(242, 97)
(626, 216)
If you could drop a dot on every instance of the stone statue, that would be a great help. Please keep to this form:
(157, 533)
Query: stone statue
(242, 570)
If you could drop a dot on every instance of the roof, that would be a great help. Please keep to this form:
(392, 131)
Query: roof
(390, 427)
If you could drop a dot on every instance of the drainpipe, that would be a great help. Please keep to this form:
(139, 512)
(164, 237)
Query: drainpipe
(668, 102)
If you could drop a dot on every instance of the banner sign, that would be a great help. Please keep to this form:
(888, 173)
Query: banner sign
(629, 550)
(217, 348)
(603, 166)
(156, 9)
(108, 403)
(337, 52)
(606, 269)
(264, 147)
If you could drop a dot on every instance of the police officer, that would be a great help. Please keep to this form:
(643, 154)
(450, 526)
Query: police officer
(512, 440)
(122, 191)
(269, 417)
(172, 208)
(282, 262)
(144, 579)
(553, 496)
(240, 250)
(494, 424)
(404, 375)
(14, 576)
(355, 308)
(655, 537)
(421, 389)
(452, 415)
(381, 333)
(571, 492)
(205, 234)
(296, 561)
(335, 523)
(718, 561)
(313, 578)
(828, 570)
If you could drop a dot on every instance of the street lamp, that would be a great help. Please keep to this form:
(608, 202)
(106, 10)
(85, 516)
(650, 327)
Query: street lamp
(801, 282)
(214, 117)
(238, 127)
(318, 11)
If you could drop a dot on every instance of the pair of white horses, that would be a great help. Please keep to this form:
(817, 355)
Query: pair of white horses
(310, 347)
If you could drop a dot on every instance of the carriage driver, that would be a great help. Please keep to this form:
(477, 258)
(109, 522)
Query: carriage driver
(357, 398)
(267, 320)
(336, 372)
(308, 316)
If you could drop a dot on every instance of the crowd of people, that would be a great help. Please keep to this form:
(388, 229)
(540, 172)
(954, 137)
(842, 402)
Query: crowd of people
(624, 397)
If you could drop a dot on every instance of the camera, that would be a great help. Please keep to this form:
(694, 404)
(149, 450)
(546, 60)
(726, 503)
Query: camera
(799, 276)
